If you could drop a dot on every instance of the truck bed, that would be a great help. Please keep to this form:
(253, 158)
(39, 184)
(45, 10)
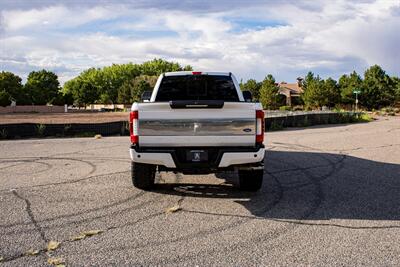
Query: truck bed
(162, 126)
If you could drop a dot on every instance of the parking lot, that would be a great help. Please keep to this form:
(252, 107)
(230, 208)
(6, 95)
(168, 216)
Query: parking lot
(331, 196)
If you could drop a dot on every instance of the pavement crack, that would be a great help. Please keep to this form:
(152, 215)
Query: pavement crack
(299, 222)
(28, 209)
(66, 182)
(178, 178)
(44, 251)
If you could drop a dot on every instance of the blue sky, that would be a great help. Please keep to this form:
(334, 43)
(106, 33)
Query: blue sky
(250, 38)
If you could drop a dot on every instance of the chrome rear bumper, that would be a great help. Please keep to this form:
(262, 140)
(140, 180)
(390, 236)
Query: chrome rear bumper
(225, 157)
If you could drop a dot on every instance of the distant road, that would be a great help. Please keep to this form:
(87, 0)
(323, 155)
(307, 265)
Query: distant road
(331, 196)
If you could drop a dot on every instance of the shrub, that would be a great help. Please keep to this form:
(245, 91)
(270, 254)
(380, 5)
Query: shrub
(3, 134)
(285, 108)
(40, 129)
(363, 117)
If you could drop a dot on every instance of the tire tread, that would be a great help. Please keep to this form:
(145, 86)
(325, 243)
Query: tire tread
(143, 175)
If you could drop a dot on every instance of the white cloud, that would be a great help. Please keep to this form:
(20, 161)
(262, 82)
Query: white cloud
(326, 37)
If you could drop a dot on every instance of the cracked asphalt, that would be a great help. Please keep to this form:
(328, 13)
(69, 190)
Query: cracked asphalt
(331, 196)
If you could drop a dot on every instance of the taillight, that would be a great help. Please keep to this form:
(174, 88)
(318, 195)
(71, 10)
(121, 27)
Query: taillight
(259, 126)
(134, 126)
(196, 72)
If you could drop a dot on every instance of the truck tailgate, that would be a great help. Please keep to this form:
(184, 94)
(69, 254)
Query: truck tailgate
(162, 126)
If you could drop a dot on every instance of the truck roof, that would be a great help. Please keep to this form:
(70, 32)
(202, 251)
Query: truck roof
(182, 73)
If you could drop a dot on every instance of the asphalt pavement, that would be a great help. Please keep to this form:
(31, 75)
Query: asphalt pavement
(331, 196)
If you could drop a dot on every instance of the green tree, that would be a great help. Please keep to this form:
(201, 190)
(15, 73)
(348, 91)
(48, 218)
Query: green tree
(187, 68)
(269, 93)
(68, 98)
(105, 98)
(139, 86)
(347, 84)
(5, 98)
(83, 92)
(332, 92)
(42, 86)
(113, 83)
(253, 86)
(319, 93)
(70, 86)
(124, 93)
(131, 91)
(396, 82)
(158, 66)
(378, 89)
(11, 84)
(63, 98)
(115, 76)
(58, 100)
(307, 80)
(313, 95)
(98, 85)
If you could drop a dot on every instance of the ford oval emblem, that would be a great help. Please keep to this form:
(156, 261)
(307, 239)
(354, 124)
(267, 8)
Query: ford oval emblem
(247, 130)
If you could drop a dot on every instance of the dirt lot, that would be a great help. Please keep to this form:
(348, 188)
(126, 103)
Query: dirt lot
(46, 118)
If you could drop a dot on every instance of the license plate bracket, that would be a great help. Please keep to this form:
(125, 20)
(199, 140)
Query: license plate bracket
(197, 155)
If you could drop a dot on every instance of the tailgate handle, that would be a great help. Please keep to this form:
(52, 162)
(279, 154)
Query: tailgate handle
(196, 103)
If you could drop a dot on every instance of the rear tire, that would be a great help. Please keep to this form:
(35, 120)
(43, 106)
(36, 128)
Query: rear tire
(250, 180)
(143, 175)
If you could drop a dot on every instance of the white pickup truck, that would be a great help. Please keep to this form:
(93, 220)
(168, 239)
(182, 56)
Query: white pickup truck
(197, 123)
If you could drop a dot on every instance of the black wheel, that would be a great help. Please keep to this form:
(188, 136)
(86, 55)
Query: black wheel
(250, 180)
(143, 175)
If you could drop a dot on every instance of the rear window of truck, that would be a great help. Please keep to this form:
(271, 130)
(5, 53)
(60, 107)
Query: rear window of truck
(197, 87)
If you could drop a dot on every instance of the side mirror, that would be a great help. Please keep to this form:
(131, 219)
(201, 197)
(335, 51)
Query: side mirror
(146, 96)
(247, 96)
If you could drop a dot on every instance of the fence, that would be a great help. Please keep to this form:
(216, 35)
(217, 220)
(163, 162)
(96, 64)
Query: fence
(277, 121)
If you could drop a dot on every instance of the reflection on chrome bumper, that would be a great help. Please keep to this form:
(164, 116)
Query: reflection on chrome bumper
(164, 159)
(235, 158)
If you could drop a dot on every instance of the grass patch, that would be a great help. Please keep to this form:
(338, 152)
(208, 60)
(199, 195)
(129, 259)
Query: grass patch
(285, 108)
(364, 117)
(348, 117)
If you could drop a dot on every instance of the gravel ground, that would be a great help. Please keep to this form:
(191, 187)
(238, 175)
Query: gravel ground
(331, 196)
(58, 118)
